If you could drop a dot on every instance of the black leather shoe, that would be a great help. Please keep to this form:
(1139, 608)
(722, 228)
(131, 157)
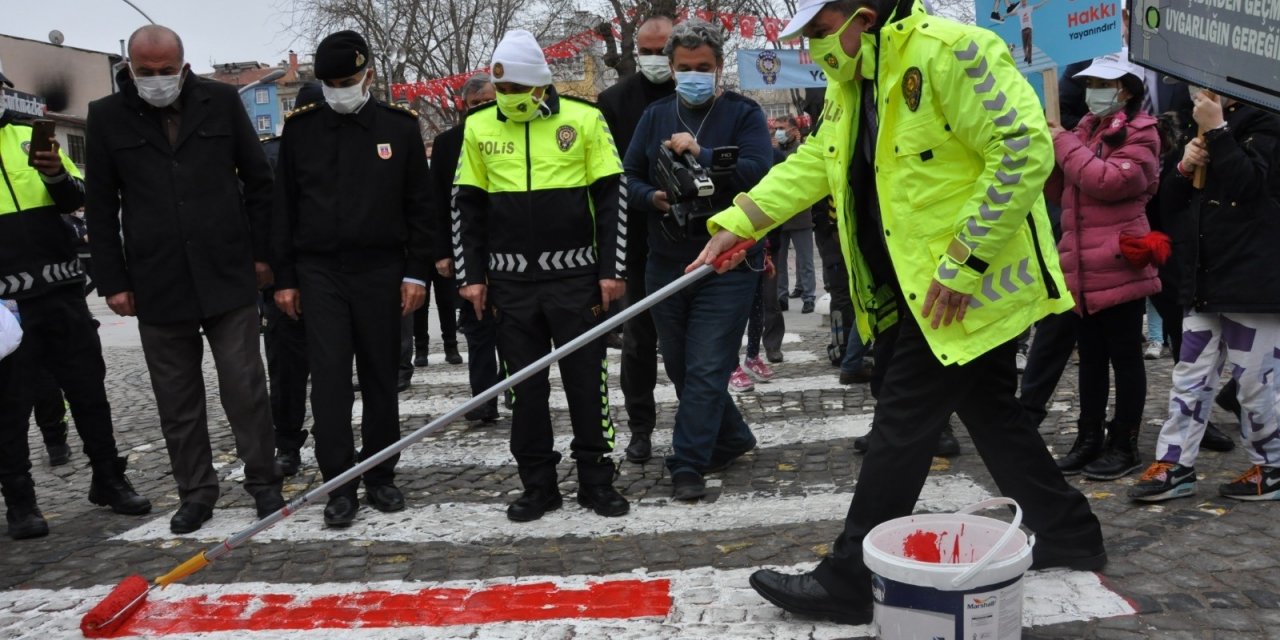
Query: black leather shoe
(796, 293)
(783, 303)
(773, 355)
(190, 516)
(109, 487)
(807, 307)
(533, 504)
(451, 354)
(404, 383)
(640, 449)
(59, 454)
(289, 462)
(268, 502)
(28, 523)
(420, 356)
(1046, 556)
(948, 446)
(341, 511)
(604, 500)
(1214, 440)
(861, 444)
(804, 595)
(688, 485)
(861, 376)
(384, 497)
(487, 414)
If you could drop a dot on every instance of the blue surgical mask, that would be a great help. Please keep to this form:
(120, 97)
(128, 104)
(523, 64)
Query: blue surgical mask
(696, 87)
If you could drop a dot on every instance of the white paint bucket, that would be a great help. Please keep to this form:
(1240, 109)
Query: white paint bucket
(949, 576)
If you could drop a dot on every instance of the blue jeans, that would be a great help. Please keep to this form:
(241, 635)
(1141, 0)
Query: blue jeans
(854, 352)
(699, 331)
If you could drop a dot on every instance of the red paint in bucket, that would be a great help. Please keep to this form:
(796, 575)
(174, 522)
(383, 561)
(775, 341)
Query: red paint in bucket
(922, 546)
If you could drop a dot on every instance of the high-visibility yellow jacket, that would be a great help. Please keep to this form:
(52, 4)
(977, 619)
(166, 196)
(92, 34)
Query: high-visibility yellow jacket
(962, 155)
(37, 250)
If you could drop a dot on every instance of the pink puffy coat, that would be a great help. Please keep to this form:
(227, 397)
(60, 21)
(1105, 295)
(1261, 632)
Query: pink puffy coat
(1105, 179)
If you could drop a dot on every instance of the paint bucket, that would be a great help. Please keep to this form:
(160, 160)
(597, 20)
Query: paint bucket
(954, 576)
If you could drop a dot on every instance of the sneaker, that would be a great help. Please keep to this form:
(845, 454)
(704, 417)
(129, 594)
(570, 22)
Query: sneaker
(1164, 481)
(1153, 351)
(807, 307)
(1258, 483)
(740, 381)
(756, 368)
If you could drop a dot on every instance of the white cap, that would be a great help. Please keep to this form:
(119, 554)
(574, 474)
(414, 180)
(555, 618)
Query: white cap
(519, 59)
(1112, 66)
(805, 11)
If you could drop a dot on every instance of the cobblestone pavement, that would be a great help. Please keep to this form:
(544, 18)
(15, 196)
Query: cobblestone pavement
(452, 566)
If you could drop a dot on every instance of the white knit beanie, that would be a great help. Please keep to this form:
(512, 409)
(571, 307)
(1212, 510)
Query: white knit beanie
(519, 59)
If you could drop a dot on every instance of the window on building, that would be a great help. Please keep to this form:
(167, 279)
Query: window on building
(261, 96)
(75, 148)
(264, 124)
(286, 104)
(777, 110)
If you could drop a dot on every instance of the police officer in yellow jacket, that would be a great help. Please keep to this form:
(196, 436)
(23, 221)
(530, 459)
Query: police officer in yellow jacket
(41, 278)
(540, 226)
(935, 150)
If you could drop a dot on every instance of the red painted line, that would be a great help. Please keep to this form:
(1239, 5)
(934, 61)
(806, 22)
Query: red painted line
(436, 607)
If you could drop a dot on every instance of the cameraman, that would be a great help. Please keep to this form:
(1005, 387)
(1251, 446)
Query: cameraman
(699, 328)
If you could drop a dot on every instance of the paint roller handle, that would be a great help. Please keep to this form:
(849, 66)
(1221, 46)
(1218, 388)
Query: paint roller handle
(725, 257)
(192, 565)
(990, 556)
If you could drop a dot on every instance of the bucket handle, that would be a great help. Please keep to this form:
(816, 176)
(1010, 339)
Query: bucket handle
(990, 556)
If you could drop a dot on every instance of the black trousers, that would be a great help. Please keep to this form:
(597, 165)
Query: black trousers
(287, 371)
(917, 397)
(482, 350)
(639, 359)
(352, 314)
(50, 408)
(1171, 315)
(446, 290)
(60, 336)
(175, 355)
(1051, 348)
(531, 317)
(1112, 339)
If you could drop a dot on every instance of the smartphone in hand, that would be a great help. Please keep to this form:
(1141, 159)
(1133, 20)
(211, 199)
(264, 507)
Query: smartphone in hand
(42, 131)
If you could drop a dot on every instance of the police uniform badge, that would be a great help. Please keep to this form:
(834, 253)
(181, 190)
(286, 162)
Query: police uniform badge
(768, 64)
(26, 147)
(384, 151)
(565, 137)
(497, 70)
(912, 84)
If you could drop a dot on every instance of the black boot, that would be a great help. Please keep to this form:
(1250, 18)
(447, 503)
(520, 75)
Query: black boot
(420, 354)
(24, 517)
(640, 449)
(1086, 449)
(109, 487)
(451, 354)
(948, 446)
(1120, 455)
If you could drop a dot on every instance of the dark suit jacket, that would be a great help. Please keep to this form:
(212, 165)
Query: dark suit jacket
(445, 151)
(195, 216)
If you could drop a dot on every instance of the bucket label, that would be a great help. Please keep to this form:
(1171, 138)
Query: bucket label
(994, 615)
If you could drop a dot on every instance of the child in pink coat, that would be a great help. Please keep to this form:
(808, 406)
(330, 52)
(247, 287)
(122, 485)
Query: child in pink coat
(1108, 169)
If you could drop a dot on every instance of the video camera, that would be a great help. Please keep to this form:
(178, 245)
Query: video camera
(689, 187)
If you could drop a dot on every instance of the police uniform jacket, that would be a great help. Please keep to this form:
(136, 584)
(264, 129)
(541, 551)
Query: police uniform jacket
(36, 248)
(961, 157)
(352, 192)
(539, 200)
(195, 215)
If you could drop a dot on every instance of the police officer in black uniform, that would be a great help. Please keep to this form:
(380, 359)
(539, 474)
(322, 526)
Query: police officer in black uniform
(351, 249)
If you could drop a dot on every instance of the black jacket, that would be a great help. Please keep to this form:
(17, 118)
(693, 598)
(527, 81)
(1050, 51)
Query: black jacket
(445, 150)
(352, 192)
(622, 105)
(194, 217)
(1225, 235)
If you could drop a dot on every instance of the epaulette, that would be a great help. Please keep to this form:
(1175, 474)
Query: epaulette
(401, 109)
(306, 108)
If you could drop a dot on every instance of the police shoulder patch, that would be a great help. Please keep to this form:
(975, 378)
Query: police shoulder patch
(401, 109)
(912, 85)
(306, 108)
(566, 136)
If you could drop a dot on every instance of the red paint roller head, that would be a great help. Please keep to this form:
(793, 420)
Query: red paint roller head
(114, 610)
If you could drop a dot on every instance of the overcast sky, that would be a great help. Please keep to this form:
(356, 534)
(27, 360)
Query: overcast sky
(213, 31)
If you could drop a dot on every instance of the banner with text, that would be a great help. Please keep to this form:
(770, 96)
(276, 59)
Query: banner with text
(1050, 34)
(1230, 46)
(763, 69)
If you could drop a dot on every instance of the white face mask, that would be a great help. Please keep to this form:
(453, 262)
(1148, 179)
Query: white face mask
(158, 91)
(1102, 102)
(656, 69)
(346, 99)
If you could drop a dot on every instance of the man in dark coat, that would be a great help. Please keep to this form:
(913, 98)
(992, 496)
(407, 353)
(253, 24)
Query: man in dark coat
(351, 248)
(175, 162)
(622, 105)
(481, 333)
